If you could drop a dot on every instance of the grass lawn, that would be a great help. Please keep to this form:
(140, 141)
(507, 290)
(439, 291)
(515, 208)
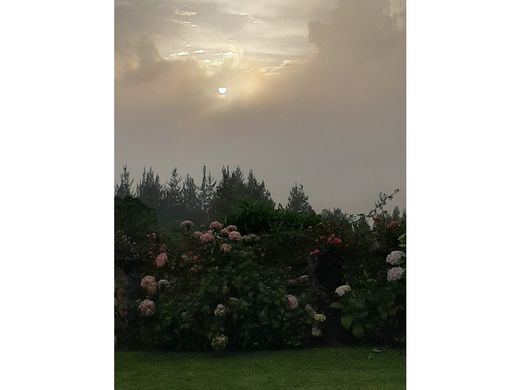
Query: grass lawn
(318, 368)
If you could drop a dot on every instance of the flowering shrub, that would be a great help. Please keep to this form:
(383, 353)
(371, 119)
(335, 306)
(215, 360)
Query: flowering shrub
(376, 309)
(273, 287)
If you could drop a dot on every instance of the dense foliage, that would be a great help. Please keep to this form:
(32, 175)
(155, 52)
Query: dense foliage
(269, 277)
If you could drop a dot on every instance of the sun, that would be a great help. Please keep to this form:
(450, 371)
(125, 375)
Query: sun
(222, 91)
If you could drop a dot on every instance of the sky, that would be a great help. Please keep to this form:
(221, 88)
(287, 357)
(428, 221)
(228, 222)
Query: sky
(315, 93)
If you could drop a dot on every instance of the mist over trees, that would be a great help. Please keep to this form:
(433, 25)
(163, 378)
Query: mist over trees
(180, 198)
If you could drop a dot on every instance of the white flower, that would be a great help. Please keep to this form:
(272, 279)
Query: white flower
(319, 317)
(164, 282)
(394, 274)
(395, 257)
(316, 332)
(342, 290)
(219, 343)
(220, 311)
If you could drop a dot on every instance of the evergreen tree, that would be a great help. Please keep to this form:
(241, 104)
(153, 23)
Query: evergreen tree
(206, 194)
(149, 189)
(190, 198)
(229, 192)
(396, 214)
(256, 192)
(124, 188)
(298, 201)
(171, 205)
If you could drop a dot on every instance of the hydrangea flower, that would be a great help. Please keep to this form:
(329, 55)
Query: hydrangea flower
(316, 332)
(235, 236)
(220, 311)
(164, 283)
(197, 234)
(215, 225)
(292, 301)
(207, 237)
(224, 232)
(394, 274)
(149, 284)
(225, 248)
(147, 308)
(320, 317)
(342, 290)
(219, 343)
(395, 257)
(333, 240)
(231, 228)
(187, 225)
(250, 237)
(161, 260)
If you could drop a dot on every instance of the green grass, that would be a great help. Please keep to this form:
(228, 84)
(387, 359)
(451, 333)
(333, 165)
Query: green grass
(319, 368)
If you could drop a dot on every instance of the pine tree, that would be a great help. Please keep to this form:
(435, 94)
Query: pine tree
(298, 201)
(124, 188)
(190, 198)
(229, 193)
(149, 189)
(256, 192)
(171, 204)
(206, 193)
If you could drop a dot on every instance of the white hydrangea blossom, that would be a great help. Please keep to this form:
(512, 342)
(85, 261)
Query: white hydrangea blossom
(394, 274)
(342, 290)
(220, 311)
(395, 257)
(319, 317)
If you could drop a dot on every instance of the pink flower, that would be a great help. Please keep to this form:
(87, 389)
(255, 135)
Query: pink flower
(207, 237)
(224, 232)
(149, 284)
(333, 240)
(292, 301)
(197, 234)
(231, 228)
(215, 225)
(315, 252)
(235, 236)
(147, 308)
(161, 260)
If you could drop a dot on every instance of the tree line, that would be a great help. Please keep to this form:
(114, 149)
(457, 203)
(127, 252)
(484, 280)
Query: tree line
(182, 198)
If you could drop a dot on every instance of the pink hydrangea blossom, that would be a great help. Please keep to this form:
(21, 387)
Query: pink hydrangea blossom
(207, 237)
(149, 284)
(215, 225)
(161, 260)
(197, 234)
(224, 232)
(235, 236)
(231, 228)
(333, 240)
(147, 308)
(292, 301)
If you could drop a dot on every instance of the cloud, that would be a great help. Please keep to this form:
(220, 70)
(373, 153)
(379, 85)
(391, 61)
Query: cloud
(335, 123)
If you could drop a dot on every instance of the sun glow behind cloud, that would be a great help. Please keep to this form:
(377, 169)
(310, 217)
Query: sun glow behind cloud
(306, 101)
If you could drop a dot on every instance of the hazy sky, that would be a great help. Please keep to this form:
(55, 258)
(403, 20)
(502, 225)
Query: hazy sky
(316, 93)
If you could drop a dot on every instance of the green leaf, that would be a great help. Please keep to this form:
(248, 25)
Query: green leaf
(336, 305)
(346, 321)
(358, 330)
